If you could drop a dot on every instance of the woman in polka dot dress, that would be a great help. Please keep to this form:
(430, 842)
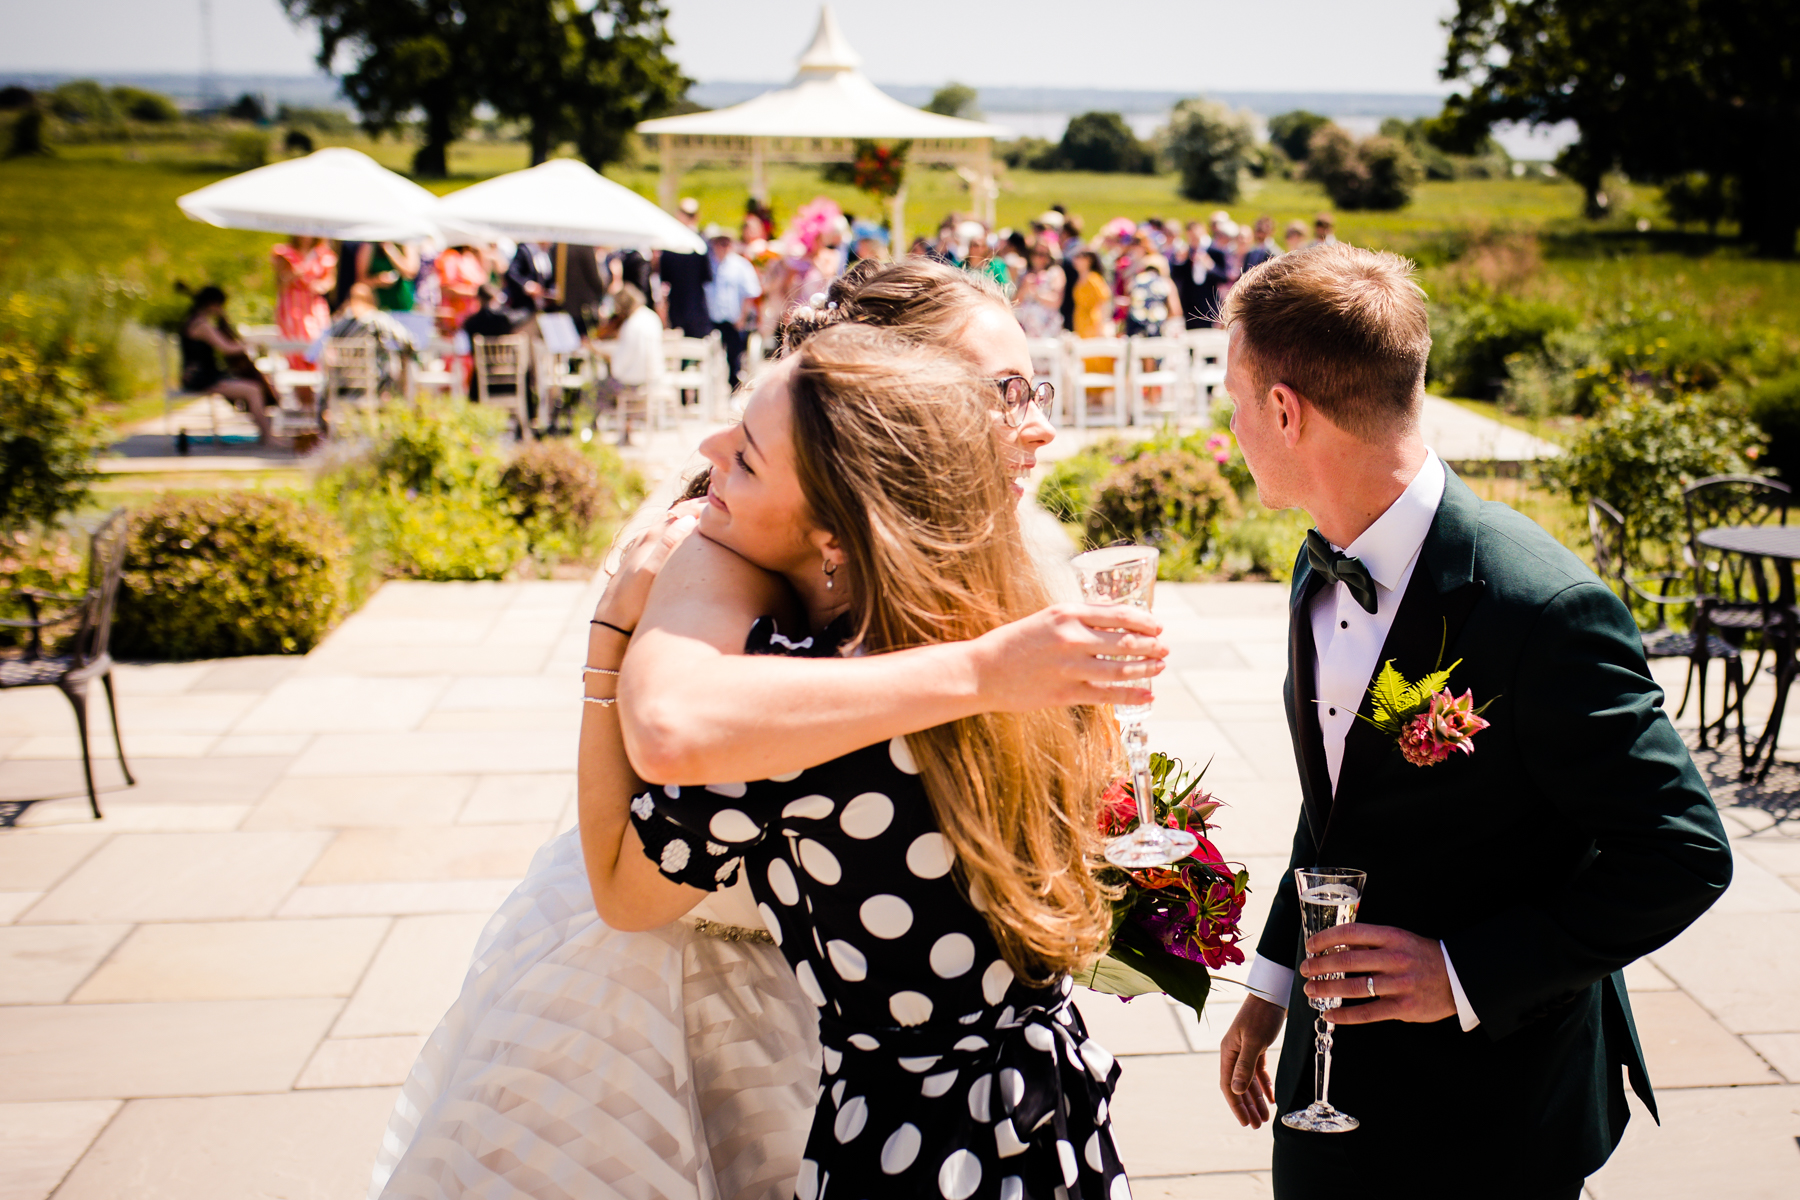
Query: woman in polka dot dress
(931, 892)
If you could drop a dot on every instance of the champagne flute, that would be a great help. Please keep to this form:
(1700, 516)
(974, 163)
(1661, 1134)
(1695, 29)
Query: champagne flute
(1328, 896)
(1127, 575)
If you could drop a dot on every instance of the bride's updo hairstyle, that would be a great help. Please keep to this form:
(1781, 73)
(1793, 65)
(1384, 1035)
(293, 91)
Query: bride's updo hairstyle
(895, 453)
(920, 299)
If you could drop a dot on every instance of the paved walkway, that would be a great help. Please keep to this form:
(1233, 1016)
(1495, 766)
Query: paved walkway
(213, 992)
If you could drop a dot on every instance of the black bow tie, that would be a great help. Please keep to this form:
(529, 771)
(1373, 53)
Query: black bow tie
(1336, 567)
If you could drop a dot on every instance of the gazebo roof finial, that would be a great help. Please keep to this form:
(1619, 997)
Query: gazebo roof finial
(829, 54)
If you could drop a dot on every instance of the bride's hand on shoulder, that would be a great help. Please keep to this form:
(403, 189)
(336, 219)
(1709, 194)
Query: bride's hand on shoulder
(1053, 658)
(640, 560)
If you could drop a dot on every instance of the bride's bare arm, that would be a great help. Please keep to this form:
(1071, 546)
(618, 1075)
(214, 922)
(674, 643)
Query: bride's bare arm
(694, 709)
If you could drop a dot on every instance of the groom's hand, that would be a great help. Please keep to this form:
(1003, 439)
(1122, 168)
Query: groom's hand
(1243, 1060)
(1411, 983)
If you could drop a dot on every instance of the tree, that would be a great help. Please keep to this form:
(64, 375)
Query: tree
(1211, 147)
(1377, 173)
(1293, 131)
(150, 107)
(1101, 141)
(955, 100)
(1658, 89)
(626, 76)
(247, 107)
(427, 55)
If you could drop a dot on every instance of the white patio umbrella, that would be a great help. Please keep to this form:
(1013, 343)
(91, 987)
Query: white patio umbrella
(334, 193)
(568, 201)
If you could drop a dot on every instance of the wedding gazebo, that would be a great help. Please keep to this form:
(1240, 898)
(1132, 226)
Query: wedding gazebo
(818, 119)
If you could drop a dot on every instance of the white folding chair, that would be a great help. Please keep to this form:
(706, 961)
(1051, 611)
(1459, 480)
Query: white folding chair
(1208, 348)
(1098, 365)
(504, 363)
(350, 370)
(1155, 376)
(685, 369)
(1047, 367)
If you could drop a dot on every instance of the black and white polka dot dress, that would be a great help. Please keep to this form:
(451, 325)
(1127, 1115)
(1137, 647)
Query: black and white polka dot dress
(944, 1074)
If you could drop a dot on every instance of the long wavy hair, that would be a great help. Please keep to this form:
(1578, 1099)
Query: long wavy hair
(896, 456)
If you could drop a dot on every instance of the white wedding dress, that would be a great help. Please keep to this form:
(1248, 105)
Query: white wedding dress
(581, 1062)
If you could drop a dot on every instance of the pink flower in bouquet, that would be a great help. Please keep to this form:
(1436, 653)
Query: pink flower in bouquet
(1449, 724)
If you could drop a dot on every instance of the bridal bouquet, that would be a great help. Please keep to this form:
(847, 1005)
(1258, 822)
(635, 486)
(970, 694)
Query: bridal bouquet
(1170, 924)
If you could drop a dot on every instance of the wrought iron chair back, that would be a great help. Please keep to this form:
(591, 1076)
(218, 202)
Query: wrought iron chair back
(1733, 583)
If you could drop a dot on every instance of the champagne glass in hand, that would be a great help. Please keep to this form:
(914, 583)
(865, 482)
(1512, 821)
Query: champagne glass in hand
(1328, 897)
(1127, 575)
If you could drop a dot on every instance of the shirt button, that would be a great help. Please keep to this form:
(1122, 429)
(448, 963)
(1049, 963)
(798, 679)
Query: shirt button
(1343, 624)
(1332, 711)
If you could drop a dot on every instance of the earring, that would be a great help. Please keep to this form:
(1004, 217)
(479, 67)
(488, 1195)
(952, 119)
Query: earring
(830, 570)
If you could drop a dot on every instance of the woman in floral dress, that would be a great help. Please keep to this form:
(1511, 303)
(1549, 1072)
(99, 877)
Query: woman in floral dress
(305, 273)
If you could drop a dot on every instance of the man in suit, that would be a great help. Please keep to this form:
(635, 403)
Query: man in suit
(1188, 269)
(1485, 1025)
(686, 277)
(530, 280)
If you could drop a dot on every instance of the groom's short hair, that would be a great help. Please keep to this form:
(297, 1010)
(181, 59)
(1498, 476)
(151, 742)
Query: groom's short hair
(1344, 327)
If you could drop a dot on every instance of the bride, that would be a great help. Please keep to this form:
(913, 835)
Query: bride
(683, 1060)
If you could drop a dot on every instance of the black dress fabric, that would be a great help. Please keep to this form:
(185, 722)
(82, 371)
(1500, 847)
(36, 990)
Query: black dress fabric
(945, 1074)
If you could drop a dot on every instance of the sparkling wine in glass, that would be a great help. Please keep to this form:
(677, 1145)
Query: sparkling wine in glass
(1127, 575)
(1328, 897)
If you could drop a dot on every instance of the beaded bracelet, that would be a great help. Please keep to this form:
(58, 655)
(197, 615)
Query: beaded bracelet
(602, 701)
(585, 671)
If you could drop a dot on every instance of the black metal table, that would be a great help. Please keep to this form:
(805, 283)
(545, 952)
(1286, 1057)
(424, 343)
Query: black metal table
(1780, 544)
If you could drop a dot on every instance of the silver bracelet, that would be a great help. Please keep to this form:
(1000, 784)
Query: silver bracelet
(602, 701)
(586, 671)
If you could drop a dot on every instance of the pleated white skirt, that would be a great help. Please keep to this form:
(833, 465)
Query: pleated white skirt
(584, 1063)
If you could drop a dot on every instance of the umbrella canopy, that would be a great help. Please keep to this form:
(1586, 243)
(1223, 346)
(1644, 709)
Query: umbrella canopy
(568, 201)
(333, 193)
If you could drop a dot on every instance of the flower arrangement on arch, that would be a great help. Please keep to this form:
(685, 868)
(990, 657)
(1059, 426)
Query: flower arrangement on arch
(1173, 925)
(878, 169)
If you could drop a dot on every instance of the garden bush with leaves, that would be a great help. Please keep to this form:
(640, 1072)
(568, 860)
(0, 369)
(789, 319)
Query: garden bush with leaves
(1376, 173)
(561, 494)
(1172, 499)
(49, 435)
(229, 573)
(50, 560)
(1473, 335)
(1641, 450)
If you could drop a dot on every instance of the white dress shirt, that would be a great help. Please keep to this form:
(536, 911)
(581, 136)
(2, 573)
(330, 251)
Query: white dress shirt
(1348, 643)
(637, 359)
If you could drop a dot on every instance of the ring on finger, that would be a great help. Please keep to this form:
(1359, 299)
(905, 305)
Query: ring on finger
(1369, 980)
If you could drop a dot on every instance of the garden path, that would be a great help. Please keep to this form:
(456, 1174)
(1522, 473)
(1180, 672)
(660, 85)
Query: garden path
(214, 991)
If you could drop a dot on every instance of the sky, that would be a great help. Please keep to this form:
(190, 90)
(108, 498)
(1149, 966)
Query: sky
(1178, 45)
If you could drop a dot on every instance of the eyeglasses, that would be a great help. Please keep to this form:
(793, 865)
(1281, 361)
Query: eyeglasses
(1018, 394)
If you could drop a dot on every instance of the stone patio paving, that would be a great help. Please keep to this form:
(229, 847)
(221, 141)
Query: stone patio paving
(213, 991)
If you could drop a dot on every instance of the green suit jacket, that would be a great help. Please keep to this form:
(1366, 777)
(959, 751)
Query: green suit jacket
(1577, 837)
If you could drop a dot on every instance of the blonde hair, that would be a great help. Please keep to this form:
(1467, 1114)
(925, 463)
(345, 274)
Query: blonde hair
(1344, 327)
(1015, 794)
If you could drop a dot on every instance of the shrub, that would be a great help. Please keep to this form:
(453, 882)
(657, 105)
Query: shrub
(1101, 141)
(297, 141)
(28, 135)
(1293, 132)
(1172, 499)
(229, 573)
(564, 497)
(1473, 335)
(247, 148)
(1377, 173)
(1775, 406)
(50, 561)
(1067, 489)
(1263, 543)
(1211, 147)
(49, 434)
(1640, 451)
(152, 108)
(437, 536)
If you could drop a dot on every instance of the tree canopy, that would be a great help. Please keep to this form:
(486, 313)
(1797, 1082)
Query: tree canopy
(955, 100)
(1658, 88)
(1102, 141)
(580, 70)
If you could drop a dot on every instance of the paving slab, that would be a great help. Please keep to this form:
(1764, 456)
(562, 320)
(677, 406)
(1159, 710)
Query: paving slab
(1684, 1047)
(255, 674)
(312, 1145)
(55, 746)
(343, 704)
(211, 712)
(14, 903)
(361, 1062)
(1643, 976)
(235, 960)
(1741, 968)
(1169, 1119)
(414, 977)
(40, 1142)
(42, 964)
(29, 863)
(426, 854)
(259, 745)
(431, 753)
(195, 1048)
(362, 801)
(1236, 1186)
(1779, 1050)
(500, 799)
(160, 679)
(1756, 889)
(357, 899)
(1727, 1142)
(1142, 1025)
(182, 877)
(71, 817)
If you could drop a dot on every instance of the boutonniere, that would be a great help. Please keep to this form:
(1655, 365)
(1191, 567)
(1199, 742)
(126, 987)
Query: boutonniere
(1422, 716)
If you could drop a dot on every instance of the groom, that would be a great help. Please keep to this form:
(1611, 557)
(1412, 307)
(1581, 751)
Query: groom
(1485, 1026)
